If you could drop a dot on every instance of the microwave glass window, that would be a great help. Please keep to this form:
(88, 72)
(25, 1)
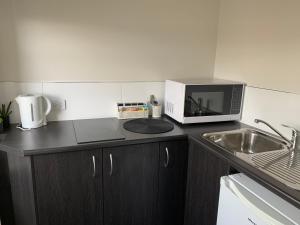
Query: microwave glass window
(210, 103)
(207, 100)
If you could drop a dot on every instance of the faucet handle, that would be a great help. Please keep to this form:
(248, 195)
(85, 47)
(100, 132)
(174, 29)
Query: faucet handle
(295, 136)
(294, 130)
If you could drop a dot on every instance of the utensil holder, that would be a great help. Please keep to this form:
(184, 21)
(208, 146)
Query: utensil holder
(156, 111)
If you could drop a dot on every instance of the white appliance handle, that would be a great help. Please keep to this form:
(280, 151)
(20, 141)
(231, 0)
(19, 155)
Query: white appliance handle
(249, 204)
(49, 105)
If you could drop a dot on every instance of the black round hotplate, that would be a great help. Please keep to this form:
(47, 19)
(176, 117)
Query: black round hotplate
(148, 126)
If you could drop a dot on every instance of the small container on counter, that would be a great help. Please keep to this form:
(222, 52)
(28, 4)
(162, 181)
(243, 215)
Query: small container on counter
(132, 110)
(155, 107)
(156, 111)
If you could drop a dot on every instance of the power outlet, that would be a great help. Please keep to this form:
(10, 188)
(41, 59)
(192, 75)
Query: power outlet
(59, 104)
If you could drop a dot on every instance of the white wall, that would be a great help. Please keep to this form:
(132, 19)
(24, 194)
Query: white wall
(259, 43)
(83, 100)
(54, 40)
(8, 58)
(108, 40)
(275, 107)
(92, 53)
(96, 100)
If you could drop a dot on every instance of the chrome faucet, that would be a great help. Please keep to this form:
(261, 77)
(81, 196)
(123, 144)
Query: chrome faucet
(293, 144)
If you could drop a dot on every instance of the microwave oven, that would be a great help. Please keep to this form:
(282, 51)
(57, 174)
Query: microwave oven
(202, 101)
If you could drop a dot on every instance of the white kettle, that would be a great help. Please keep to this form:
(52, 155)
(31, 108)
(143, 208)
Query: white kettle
(33, 110)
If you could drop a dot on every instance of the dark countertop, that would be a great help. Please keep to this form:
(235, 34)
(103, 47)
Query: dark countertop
(60, 137)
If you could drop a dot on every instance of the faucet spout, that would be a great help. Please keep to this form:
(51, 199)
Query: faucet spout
(294, 143)
(275, 130)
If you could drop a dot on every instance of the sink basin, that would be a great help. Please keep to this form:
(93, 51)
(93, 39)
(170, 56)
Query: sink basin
(246, 140)
(266, 152)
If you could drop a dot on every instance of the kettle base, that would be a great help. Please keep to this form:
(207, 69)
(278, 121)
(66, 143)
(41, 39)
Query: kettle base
(19, 126)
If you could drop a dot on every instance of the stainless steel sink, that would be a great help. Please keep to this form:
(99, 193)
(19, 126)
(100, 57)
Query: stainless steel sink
(263, 151)
(246, 141)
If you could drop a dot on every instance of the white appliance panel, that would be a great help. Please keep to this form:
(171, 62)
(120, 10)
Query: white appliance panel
(245, 202)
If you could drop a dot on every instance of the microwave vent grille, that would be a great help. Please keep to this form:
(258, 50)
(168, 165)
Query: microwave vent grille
(169, 107)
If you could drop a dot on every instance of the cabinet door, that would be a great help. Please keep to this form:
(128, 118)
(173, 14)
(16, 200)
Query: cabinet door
(172, 182)
(68, 188)
(6, 205)
(203, 185)
(130, 184)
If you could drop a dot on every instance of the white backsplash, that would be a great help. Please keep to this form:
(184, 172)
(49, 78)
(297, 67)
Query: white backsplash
(96, 100)
(83, 100)
(272, 106)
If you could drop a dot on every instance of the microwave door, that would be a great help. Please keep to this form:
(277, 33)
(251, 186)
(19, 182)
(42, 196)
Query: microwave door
(201, 100)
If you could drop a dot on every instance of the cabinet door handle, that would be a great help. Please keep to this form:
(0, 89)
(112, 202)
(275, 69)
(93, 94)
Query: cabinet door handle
(168, 157)
(111, 165)
(94, 165)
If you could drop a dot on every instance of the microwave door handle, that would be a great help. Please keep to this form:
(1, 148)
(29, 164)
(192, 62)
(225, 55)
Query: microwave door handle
(234, 189)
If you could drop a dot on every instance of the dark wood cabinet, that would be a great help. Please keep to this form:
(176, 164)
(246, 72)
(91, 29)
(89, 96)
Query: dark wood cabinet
(6, 207)
(139, 184)
(130, 184)
(203, 185)
(143, 180)
(68, 188)
(172, 182)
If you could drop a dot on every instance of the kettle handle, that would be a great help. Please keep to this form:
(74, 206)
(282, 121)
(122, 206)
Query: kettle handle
(49, 106)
